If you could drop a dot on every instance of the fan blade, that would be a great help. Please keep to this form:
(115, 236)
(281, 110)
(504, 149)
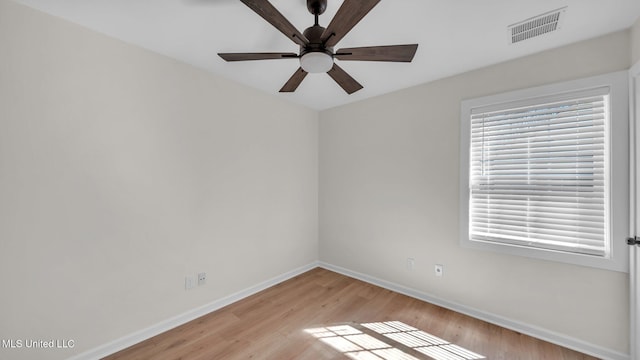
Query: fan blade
(256, 56)
(395, 53)
(295, 80)
(275, 18)
(349, 14)
(349, 84)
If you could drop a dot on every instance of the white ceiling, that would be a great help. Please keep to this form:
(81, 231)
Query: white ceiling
(454, 36)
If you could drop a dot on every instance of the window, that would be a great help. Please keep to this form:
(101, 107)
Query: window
(538, 172)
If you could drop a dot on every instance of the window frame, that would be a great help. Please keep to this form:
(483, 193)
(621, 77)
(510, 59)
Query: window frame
(618, 167)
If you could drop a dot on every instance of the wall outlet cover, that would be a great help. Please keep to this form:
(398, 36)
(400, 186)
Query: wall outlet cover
(411, 263)
(189, 282)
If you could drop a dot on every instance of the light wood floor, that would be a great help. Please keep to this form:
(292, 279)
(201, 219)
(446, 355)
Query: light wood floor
(324, 315)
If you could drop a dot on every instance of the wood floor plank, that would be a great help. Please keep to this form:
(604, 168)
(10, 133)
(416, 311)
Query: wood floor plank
(277, 324)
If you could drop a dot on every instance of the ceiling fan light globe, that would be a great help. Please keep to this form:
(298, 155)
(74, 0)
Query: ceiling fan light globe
(316, 62)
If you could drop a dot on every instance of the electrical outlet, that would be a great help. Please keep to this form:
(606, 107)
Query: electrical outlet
(439, 270)
(202, 278)
(411, 263)
(189, 282)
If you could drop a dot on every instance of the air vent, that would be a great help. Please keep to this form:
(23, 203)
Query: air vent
(536, 26)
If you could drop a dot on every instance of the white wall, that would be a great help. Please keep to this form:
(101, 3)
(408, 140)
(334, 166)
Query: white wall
(389, 173)
(635, 42)
(122, 171)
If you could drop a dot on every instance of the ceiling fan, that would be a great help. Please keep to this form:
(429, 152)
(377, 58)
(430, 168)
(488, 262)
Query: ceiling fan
(316, 42)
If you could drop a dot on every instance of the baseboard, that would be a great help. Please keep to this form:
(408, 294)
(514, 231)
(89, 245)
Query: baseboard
(537, 332)
(144, 334)
(534, 331)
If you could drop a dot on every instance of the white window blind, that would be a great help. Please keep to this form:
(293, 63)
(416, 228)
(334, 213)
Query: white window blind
(538, 173)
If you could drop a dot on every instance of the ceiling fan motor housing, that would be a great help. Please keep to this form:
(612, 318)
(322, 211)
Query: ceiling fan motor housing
(314, 35)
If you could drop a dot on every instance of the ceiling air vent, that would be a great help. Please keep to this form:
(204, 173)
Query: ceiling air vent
(536, 26)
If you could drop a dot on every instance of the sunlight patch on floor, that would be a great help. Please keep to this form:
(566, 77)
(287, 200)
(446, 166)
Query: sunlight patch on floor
(389, 340)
